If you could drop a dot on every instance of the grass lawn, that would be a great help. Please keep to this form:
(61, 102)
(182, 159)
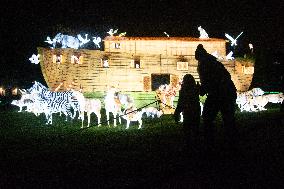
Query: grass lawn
(65, 156)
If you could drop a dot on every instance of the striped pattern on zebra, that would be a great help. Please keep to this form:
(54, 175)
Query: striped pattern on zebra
(53, 102)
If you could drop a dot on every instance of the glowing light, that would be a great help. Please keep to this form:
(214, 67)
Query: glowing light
(122, 34)
(57, 59)
(97, 41)
(78, 59)
(166, 34)
(166, 93)
(230, 56)
(132, 114)
(66, 41)
(233, 40)
(112, 105)
(215, 53)
(34, 59)
(203, 33)
(2, 91)
(251, 47)
(58, 87)
(152, 112)
(48, 102)
(83, 40)
(15, 91)
(93, 106)
(253, 102)
(105, 63)
(49, 41)
(111, 32)
(246, 100)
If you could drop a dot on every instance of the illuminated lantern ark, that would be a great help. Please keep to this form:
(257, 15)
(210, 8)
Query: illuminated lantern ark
(135, 64)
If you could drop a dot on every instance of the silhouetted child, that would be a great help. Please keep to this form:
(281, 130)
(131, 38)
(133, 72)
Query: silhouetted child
(188, 104)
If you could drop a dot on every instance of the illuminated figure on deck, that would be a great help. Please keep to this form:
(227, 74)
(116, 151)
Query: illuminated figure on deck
(111, 32)
(203, 33)
(230, 56)
(83, 41)
(97, 41)
(233, 40)
(67, 41)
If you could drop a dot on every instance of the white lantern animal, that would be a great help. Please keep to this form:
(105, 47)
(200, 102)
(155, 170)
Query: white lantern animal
(34, 59)
(66, 41)
(152, 112)
(111, 32)
(93, 106)
(203, 33)
(97, 41)
(230, 56)
(83, 41)
(132, 114)
(112, 105)
(233, 40)
(122, 34)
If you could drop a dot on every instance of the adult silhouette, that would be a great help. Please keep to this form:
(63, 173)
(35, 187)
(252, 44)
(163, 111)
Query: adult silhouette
(221, 96)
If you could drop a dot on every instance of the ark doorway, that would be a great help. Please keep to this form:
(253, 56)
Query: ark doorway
(159, 79)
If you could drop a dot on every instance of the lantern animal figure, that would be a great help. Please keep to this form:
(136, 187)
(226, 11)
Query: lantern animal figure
(50, 107)
(93, 106)
(152, 112)
(245, 100)
(69, 41)
(51, 42)
(111, 32)
(122, 34)
(166, 93)
(112, 105)
(233, 40)
(34, 59)
(54, 102)
(82, 40)
(23, 103)
(256, 92)
(215, 53)
(66, 41)
(124, 99)
(26, 100)
(132, 114)
(170, 94)
(261, 101)
(96, 41)
(203, 33)
(161, 95)
(229, 56)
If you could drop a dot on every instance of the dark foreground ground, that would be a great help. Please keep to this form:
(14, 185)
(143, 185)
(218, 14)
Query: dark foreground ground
(35, 156)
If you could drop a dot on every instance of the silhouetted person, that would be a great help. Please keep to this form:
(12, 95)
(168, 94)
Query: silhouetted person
(221, 96)
(188, 104)
(282, 90)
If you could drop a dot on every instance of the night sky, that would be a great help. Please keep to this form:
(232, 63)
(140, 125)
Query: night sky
(26, 24)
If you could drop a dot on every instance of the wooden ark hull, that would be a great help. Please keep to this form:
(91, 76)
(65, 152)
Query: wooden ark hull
(90, 74)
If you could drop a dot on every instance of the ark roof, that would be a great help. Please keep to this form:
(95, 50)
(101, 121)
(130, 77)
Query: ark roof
(112, 38)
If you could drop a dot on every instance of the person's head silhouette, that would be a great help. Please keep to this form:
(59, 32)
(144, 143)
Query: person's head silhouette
(188, 80)
(200, 52)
